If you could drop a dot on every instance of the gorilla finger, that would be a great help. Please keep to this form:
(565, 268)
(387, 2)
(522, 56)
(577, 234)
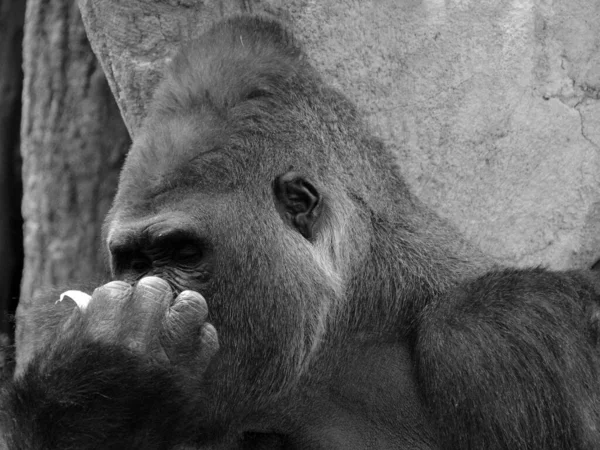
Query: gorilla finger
(107, 303)
(152, 295)
(145, 311)
(209, 339)
(184, 320)
(208, 347)
(192, 351)
(73, 318)
(115, 290)
(192, 305)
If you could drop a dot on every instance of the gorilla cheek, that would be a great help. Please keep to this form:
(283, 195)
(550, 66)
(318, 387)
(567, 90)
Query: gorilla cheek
(266, 309)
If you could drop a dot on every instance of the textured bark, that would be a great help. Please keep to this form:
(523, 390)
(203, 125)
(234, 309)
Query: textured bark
(12, 15)
(492, 106)
(73, 142)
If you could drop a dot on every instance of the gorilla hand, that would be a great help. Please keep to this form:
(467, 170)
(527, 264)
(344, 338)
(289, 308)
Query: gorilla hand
(112, 375)
(145, 319)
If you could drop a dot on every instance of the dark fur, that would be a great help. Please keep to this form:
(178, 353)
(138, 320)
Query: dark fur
(512, 354)
(385, 329)
(93, 396)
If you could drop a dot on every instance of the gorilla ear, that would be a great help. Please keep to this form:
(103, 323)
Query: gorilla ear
(298, 202)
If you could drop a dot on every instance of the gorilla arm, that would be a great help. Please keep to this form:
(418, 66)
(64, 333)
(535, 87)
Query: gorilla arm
(109, 380)
(509, 360)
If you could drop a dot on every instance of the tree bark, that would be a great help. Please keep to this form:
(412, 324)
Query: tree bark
(73, 142)
(12, 15)
(491, 107)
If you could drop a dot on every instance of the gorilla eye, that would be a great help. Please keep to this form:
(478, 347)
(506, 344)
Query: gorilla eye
(179, 246)
(128, 261)
(187, 253)
(140, 264)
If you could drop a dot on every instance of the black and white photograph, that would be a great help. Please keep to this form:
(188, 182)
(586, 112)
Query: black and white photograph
(300, 224)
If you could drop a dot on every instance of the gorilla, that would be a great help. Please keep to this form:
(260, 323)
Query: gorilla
(280, 288)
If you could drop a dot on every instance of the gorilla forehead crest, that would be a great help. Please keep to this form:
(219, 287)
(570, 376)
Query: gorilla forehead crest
(230, 64)
(219, 109)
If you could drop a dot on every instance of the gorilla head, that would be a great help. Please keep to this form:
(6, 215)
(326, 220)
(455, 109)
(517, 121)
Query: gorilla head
(258, 186)
(235, 188)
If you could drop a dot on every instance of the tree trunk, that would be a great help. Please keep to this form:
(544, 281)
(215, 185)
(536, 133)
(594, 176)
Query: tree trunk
(12, 15)
(73, 142)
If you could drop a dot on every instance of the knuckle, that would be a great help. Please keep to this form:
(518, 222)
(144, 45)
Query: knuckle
(190, 295)
(112, 289)
(117, 285)
(190, 302)
(154, 286)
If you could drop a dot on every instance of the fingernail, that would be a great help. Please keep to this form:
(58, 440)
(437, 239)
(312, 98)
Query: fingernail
(80, 298)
